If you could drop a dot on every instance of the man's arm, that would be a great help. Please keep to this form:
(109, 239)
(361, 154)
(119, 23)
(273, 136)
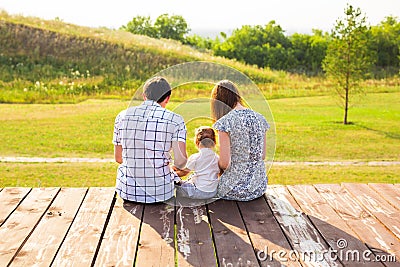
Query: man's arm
(118, 153)
(117, 137)
(180, 156)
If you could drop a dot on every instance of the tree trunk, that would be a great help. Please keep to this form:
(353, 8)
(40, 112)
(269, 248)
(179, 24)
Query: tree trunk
(345, 110)
(346, 106)
(346, 103)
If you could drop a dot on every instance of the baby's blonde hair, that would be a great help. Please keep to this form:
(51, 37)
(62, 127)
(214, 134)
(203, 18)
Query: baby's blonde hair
(205, 136)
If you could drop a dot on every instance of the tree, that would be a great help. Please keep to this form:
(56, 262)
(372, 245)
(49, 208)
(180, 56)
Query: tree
(171, 27)
(348, 58)
(165, 26)
(202, 43)
(308, 52)
(386, 42)
(259, 45)
(140, 25)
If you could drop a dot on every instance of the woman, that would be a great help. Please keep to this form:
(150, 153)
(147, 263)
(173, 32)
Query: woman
(242, 144)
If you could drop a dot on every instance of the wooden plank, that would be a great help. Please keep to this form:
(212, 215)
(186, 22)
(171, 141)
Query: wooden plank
(331, 226)
(194, 240)
(10, 197)
(23, 220)
(302, 235)
(42, 245)
(82, 240)
(265, 233)
(374, 234)
(232, 243)
(373, 202)
(156, 241)
(388, 192)
(120, 240)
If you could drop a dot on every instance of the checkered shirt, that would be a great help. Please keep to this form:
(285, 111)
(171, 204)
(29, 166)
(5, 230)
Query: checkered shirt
(145, 133)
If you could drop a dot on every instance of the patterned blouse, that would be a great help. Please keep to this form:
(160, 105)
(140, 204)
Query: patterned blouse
(245, 179)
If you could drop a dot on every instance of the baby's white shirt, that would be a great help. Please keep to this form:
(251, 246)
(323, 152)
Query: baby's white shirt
(206, 170)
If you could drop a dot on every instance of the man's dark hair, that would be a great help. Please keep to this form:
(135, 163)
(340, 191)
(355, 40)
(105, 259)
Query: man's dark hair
(157, 89)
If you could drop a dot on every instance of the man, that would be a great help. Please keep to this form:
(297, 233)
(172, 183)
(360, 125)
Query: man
(143, 137)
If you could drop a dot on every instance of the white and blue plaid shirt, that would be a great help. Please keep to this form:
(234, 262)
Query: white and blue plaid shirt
(145, 133)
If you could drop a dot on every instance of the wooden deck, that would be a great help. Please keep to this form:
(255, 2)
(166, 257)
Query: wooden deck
(301, 225)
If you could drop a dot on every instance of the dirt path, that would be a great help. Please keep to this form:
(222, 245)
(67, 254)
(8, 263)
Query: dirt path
(276, 163)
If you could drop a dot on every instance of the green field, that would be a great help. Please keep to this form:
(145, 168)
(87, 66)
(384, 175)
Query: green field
(307, 129)
(60, 93)
(103, 174)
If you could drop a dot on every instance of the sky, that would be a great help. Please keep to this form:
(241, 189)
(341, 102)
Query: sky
(206, 16)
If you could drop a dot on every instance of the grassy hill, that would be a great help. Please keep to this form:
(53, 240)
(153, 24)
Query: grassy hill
(53, 61)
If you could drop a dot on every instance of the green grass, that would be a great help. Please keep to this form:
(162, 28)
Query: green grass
(307, 129)
(104, 174)
(68, 130)
(111, 64)
(311, 129)
(57, 174)
(333, 174)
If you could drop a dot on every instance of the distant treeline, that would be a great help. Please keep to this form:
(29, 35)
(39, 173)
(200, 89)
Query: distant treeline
(269, 46)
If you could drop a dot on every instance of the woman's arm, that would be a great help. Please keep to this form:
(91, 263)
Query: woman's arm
(224, 150)
(265, 146)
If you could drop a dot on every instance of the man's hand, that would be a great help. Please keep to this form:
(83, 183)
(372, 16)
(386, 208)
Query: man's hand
(181, 172)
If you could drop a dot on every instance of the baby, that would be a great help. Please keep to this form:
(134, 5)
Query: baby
(203, 182)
